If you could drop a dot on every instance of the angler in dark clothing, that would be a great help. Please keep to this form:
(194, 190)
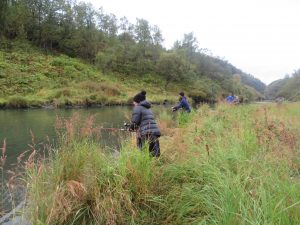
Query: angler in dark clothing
(183, 103)
(144, 123)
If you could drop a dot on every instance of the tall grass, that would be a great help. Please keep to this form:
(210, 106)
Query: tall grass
(2, 163)
(81, 184)
(233, 165)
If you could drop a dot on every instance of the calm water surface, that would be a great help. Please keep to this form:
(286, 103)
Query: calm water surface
(16, 127)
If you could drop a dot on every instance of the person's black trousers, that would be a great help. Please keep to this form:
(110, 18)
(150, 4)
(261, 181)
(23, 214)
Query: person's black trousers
(153, 142)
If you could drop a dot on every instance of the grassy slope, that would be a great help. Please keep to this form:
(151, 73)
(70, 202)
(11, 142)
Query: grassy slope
(290, 90)
(287, 88)
(29, 77)
(233, 165)
(32, 78)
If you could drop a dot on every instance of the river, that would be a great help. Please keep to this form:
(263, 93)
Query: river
(17, 127)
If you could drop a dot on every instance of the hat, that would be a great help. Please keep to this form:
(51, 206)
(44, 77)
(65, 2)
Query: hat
(181, 93)
(140, 97)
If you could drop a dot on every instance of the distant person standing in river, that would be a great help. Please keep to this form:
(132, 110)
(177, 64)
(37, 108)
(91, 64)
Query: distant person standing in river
(230, 99)
(183, 103)
(143, 122)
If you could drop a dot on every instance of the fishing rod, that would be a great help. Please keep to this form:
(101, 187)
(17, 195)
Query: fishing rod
(113, 129)
(126, 128)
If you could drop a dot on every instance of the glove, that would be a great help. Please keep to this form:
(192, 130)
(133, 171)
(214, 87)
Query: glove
(132, 127)
(126, 126)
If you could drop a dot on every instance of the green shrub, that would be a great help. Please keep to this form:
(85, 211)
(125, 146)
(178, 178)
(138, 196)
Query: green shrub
(2, 103)
(79, 66)
(183, 118)
(3, 65)
(17, 102)
(63, 92)
(59, 62)
(70, 71)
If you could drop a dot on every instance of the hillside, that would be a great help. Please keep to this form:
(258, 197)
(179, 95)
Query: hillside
(287, 88)
(31, 78)
(66, 53)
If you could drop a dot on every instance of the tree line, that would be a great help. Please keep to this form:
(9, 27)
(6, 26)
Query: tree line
(287, 88)
(119, 46)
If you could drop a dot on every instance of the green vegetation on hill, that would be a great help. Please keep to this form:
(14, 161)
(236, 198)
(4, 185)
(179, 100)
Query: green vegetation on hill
(287, 88)
(122, 51)
(31, 78)
(233, 165)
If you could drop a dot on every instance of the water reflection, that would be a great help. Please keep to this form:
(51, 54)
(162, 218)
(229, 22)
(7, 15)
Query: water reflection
(16, 126)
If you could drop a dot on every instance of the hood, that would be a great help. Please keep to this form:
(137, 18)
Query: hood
(145, 104)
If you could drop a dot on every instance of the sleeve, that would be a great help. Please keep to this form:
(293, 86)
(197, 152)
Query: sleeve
(179, 105)
(136, 118)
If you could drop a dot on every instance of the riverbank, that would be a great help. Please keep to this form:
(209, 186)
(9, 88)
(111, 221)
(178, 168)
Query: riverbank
(233, 165)
(84, 101)
(70, 105)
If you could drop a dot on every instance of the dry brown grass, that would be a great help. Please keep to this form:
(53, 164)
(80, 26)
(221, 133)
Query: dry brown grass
(76, 128)
(275, 136)
(102, 87)
(177, 142)
(166, 128)
(3, 156)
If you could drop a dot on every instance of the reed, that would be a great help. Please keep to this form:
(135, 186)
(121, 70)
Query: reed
(231, 165)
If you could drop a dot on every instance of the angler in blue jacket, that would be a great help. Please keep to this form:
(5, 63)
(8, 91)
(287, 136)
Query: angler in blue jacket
(183, 103)
(230, 99)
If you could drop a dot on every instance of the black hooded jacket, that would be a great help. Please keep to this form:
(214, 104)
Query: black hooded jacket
(143, 119)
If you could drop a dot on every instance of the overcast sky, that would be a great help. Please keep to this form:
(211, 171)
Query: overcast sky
(261, 37)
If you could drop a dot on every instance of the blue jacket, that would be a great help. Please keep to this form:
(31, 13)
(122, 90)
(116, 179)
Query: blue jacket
(183, 103)
(230, 99)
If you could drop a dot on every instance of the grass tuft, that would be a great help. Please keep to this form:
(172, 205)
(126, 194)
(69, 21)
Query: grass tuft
(230, 165)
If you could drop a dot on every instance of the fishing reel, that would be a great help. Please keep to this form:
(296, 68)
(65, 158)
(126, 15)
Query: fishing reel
(126, 125)
(129, 127)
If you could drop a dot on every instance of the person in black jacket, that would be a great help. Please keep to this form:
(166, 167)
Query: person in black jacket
(144, 124)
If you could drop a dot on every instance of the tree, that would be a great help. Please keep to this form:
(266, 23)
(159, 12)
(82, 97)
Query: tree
(3, 9)
(172, 67)
(107, 24)
(86, 35)
(190, 42)
(157, 36)
(143, 35)
(50, 30)
(189, 45)
(126, 27)
(36, 12)
(16, 20)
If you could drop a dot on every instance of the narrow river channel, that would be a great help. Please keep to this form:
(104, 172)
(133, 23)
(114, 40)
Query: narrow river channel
(16, 127)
